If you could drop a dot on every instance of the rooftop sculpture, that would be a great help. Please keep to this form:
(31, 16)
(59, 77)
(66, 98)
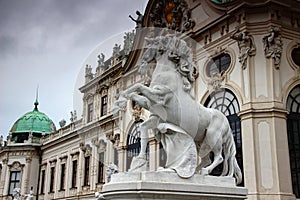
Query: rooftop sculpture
(185, 128)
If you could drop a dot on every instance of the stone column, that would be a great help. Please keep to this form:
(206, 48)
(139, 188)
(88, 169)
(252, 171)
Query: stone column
(93, 167)
(122, 158)
(3, 175)
(80, 172)
(265, 150)
(152, 154)
(6, 182)
(27, 174)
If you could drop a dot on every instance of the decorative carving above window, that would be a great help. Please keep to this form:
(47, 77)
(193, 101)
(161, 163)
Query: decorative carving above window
(216, 82)
(246, 46)
(16, 166)
(101, 145)
(87, 149)
(273, 46)
(53, 162)
(172, 14)
(136, 111)
(5, 161)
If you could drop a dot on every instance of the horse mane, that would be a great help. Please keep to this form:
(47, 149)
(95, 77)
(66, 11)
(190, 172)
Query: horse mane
(178, 52)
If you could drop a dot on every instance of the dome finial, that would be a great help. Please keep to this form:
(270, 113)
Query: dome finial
(36, 103)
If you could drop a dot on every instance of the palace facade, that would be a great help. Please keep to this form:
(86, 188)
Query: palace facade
(247, 64)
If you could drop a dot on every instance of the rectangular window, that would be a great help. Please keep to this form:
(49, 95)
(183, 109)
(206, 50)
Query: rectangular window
(86, 180)
(104, 105)
(52, 177)
(62, 176)
(90, 112)
(101, 168)
(42, 181)
(15, 177)
(74, 174)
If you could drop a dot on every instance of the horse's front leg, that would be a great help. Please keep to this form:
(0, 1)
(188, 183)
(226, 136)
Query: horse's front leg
(135, 88)
(120, 104)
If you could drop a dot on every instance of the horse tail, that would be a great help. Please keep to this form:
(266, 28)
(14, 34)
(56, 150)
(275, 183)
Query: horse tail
(230, 165)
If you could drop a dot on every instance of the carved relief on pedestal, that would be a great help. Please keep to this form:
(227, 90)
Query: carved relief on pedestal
(273, 46)
(246, 46)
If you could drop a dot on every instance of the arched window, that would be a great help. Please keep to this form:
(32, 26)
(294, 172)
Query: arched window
(134, 142)
(293, 130)
(226, 102)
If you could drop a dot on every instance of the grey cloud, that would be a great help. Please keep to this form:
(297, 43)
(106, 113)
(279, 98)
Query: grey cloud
(45, 42)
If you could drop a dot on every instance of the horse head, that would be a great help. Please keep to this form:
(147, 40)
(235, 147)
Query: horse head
(175, 50)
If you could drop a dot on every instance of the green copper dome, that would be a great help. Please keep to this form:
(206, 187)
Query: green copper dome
(34, 122)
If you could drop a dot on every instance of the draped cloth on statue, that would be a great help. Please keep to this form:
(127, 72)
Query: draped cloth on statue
(180, 149)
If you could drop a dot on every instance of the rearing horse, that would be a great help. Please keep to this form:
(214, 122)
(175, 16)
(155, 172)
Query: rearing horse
(169, 99)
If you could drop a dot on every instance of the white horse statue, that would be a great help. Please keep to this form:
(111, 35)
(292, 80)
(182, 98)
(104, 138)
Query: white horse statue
(185, 127)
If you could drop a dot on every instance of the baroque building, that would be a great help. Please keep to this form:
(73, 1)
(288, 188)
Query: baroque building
(247, 64)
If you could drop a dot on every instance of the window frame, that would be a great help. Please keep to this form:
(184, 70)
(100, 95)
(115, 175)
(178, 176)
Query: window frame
(62, 176)
(90, 112)
(86, 178)
(134, 143)
(100, 178)
(295, 58)
(43, 176)
(104, 102)
(216, 65)
(74, 173)
(14, 181)
(293, 134)
(52, 180)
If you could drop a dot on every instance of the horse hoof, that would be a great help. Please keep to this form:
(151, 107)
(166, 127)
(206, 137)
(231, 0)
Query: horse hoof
(204, 171)
(162, 169)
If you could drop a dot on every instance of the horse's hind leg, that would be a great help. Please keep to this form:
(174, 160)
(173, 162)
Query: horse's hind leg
(218, 158)
(151, 123)
(205, 161)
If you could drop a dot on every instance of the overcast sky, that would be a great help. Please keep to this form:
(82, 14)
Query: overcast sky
(46, 43)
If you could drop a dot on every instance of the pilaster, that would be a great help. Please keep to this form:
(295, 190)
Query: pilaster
(27, 174)
(3, 175)
(265, 148)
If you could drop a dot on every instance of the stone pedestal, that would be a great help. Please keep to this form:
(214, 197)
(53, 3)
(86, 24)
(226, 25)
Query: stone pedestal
(167, 185)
